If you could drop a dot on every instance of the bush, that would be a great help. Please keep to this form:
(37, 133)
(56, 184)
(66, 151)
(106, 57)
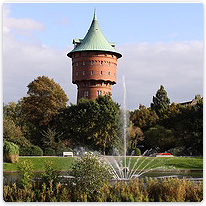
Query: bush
(10, 152)
(26, 172)
(59, 151)
(31, 151)
(90, 174)
(50, 175)
(166, 189)
(49, 152)
(137, 152)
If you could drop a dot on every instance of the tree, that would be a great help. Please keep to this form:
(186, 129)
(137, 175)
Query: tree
(13, 133)
(45, 99)
(107, 123)
(159, 137)
(144, 117)
(135, 135)
(160, 101)
(77, 122)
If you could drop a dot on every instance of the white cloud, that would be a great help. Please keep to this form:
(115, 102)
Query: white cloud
(176, 65)
(18, 24)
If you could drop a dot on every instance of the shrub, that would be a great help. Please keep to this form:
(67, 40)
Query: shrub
(90, 174)
(50, 175)
(59, 151)
(49, 152)
(31, 151)
(26, 172)
(137, 152)
(10, 152)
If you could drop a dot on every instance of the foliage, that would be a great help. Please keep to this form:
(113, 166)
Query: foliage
(10, 152)
(135, 135)
(160, 101)
(143, 117)
(90, 173)
(50, 174)
(137, 152)
(165, 190)
(93, 123)
(26, 172)
(13, 133)
(49, 152)
(77, 121)
(159, 137)
(60, 150)
(107, 123)
(31, 151)
(45, 99)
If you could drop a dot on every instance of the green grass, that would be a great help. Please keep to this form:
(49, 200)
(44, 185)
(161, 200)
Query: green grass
(61, 163)
(64, 163)
(169, 162)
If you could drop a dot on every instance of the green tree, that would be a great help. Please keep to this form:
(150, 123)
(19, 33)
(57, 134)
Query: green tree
(159, 137)
(45, 100)
(143, 117)
(13, 133)
(107, 123)
(135, 136)
(77, 122)
(160, 101)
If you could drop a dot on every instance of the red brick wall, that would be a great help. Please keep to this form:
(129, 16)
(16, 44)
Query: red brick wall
(93, 67)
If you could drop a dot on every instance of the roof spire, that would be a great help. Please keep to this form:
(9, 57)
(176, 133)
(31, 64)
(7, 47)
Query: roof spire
(95, 16)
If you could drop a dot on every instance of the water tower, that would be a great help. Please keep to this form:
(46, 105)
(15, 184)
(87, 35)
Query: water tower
(94, 63)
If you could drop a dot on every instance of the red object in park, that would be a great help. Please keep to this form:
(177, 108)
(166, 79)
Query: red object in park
(163, 153)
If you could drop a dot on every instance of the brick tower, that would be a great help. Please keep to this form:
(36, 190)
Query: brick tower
(94, 63)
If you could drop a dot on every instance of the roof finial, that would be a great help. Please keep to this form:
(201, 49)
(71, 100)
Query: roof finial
(95, 16)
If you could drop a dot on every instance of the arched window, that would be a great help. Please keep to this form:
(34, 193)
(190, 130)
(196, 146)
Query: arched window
(92, 62)
(100, 72)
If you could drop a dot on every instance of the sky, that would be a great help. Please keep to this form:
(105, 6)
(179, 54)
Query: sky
(160, 43)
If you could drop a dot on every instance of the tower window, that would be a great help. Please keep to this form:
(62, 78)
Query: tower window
(92, 62)
(83, 63)
(86, 93)
(99, 93)
(101, 63)
(83, 72)
(108, 73)
(108, 64)
(92, 72)
(100, 72)
(77, 73)
(77, 64)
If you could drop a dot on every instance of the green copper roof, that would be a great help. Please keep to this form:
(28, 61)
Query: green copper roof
(94, 41)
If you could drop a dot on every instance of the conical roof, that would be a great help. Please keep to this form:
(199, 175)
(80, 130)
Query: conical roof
(94, 41)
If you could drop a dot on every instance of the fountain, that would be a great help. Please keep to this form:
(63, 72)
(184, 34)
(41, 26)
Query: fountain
(119, 167)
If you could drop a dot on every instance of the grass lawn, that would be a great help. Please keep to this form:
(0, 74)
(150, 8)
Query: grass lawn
(61, 163)
(64, 163)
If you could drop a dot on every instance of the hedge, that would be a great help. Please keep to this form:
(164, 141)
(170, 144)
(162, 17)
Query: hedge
(10, 152)
(31, 151)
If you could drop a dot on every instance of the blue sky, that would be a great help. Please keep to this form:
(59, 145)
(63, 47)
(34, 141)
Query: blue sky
(123, 22)
(161, 43)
